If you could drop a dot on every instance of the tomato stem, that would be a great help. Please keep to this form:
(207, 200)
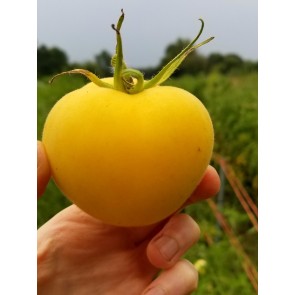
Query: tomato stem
(132, 81)
(118, 82)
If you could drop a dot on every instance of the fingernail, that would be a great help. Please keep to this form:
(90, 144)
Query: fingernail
(155, 291)
(167, 246)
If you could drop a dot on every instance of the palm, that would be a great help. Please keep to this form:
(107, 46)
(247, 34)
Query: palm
(86, 242)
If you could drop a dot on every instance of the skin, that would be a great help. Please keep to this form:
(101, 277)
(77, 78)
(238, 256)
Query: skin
(78, 254)
(43, 169)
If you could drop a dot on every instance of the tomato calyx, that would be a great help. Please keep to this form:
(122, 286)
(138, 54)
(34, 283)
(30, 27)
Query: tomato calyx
(130, 80)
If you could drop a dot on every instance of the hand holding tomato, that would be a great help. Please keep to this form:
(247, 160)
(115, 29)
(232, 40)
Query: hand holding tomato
(128, 152)
(78, 254)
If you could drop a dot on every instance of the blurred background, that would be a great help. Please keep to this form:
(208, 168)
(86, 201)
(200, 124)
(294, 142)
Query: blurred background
(223, 74)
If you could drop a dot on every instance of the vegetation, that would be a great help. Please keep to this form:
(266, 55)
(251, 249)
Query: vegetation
(54, 60)
(228, 87)
(50, 60)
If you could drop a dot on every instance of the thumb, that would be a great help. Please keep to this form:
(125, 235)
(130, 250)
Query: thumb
(43, 169)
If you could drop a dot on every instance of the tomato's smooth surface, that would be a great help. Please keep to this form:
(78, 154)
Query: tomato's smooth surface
(129, 160)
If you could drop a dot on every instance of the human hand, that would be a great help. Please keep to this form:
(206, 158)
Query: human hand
(78, 254)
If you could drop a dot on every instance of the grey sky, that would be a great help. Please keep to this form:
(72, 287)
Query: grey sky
(82, 28)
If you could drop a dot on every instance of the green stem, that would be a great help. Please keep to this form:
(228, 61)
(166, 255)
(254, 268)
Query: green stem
(128, 76)
(132, 81)
(118, 83)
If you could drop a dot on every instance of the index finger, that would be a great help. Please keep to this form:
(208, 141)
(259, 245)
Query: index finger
(208, 187)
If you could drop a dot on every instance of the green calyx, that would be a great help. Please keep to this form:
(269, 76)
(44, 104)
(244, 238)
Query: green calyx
(132, 81)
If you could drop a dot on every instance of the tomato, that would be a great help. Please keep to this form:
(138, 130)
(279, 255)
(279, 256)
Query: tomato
(128, 159)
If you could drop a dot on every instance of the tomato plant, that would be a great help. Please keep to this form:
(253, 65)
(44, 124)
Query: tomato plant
(126, 150)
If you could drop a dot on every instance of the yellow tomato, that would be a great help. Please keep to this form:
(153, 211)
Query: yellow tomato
(128, 160)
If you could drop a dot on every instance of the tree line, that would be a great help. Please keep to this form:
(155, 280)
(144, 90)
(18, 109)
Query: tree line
(54, 60)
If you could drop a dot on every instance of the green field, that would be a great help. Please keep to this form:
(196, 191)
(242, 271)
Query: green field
(232, 103)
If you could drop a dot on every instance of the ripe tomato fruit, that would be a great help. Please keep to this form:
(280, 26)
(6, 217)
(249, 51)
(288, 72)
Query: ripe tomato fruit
(128, 159)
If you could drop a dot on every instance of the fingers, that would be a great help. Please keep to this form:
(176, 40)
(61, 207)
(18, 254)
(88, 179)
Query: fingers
(43, 169)
(174, 239)
(181, 279)
(208, 187)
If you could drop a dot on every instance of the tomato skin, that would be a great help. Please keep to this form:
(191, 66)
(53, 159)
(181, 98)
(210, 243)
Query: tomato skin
(128, 160)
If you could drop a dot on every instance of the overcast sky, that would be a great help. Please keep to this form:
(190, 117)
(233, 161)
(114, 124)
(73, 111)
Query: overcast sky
(82, 28)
